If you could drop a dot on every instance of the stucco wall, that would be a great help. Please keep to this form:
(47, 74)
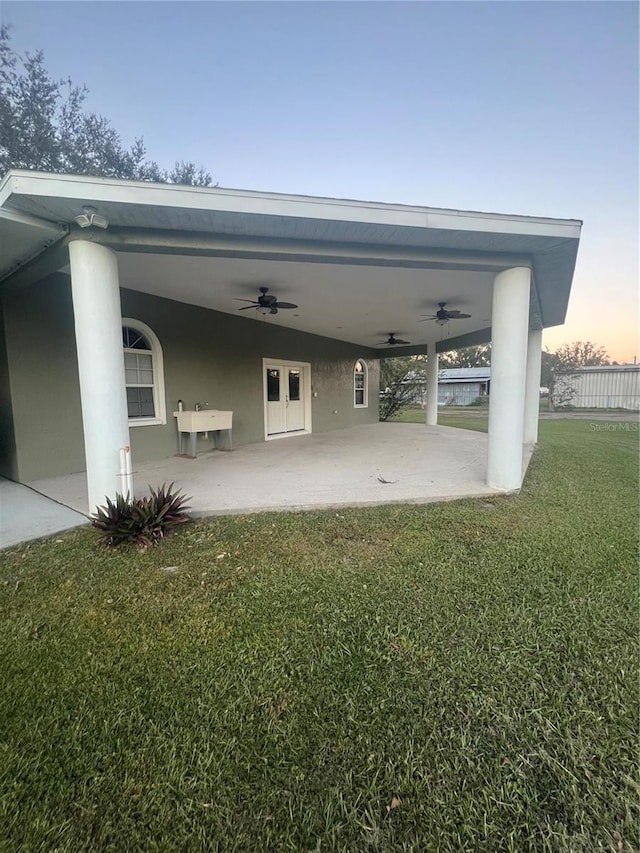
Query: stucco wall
(208, 356)
(45, 396)
(8, 458)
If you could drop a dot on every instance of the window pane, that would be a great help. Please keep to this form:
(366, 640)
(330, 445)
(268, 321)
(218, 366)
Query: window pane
(273, 385)
(140, 402)
(132, 339)
(138, 368)
(294, 385)
(359, 384)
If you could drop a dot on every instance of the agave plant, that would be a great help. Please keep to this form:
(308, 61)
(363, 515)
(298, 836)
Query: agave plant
(141, 521)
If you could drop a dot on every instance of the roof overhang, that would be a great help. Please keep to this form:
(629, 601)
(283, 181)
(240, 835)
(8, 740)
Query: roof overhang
(320, 251)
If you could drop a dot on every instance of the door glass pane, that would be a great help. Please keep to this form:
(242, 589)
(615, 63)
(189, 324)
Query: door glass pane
(273, 385)
(294, 385)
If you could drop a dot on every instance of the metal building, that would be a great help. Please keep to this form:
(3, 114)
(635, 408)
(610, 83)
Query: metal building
(610, 386)
(463, 386)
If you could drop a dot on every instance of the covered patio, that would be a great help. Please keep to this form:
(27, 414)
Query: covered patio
(178, 271)
(360, 466)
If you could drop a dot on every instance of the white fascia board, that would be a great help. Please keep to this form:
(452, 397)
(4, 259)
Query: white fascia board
(500, 224)
(96, 190)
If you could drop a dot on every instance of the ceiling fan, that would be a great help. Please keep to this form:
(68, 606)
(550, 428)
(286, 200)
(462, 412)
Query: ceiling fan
(392, 341)
(442, 316)
(266, 303)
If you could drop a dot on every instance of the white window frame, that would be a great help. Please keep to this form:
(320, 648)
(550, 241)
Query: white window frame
(365, 374)
(157, 362)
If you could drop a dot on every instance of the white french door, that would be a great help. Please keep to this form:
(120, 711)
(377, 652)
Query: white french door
(287, 398)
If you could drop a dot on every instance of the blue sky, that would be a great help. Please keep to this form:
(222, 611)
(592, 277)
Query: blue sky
(516, 107)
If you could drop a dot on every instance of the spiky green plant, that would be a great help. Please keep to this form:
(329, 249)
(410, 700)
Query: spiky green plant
(141, 521)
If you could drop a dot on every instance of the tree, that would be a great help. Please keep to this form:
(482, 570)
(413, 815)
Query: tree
(44, 125)
(557, 365)
(549, 365)
(400, 379)
(478, 356)
(580, 354)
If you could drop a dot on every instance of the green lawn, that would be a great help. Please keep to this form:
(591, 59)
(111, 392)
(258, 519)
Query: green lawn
(475, 660)
(469, 417)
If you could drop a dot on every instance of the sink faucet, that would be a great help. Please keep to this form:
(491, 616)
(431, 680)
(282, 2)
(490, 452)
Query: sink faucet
(199, 406)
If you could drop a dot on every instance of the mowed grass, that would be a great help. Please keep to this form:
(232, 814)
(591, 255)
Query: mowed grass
(455, 677)
(468, 417)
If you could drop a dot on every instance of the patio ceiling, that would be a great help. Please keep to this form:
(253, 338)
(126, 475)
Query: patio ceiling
(357, 270)
(360, 304)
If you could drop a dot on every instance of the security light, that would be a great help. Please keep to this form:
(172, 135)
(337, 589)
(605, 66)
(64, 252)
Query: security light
(90, 216)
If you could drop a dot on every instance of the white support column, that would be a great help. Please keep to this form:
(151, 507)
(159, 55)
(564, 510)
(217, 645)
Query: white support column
(510, 325)
(532, 389)
(95, 291)
(432, 386)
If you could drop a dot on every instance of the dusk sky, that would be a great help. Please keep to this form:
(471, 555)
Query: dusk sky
(515, 107)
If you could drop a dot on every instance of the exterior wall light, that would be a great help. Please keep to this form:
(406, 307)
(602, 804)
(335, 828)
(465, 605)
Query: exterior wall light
(90, 216)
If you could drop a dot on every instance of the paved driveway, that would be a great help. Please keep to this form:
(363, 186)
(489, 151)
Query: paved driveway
(26, 515)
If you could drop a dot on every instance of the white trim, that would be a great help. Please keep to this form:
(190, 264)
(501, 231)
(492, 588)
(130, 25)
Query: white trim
(305, 366)
(159, 402)
(365, 372)
(90, 189)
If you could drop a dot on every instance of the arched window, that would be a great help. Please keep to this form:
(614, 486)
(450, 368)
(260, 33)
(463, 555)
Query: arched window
(360, 395)
(144, 374)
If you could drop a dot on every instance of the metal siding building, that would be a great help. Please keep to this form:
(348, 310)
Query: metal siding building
(615, 386)
(463, 386)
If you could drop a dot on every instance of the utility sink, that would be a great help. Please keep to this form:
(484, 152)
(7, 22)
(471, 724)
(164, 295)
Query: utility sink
(206, 420)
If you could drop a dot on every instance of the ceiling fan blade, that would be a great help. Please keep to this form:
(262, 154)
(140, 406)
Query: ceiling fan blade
(457, 315)
(285, 305)
(240, 299)
(432, 317)
(247, 307)
(392, 341)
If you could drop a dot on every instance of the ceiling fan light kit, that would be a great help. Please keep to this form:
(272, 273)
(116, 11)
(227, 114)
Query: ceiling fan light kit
(443, 315)
(392, 341)
(266, 303)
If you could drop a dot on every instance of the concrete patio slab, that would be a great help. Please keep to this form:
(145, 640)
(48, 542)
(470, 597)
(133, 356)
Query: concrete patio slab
(361, 466)
(26, 515)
